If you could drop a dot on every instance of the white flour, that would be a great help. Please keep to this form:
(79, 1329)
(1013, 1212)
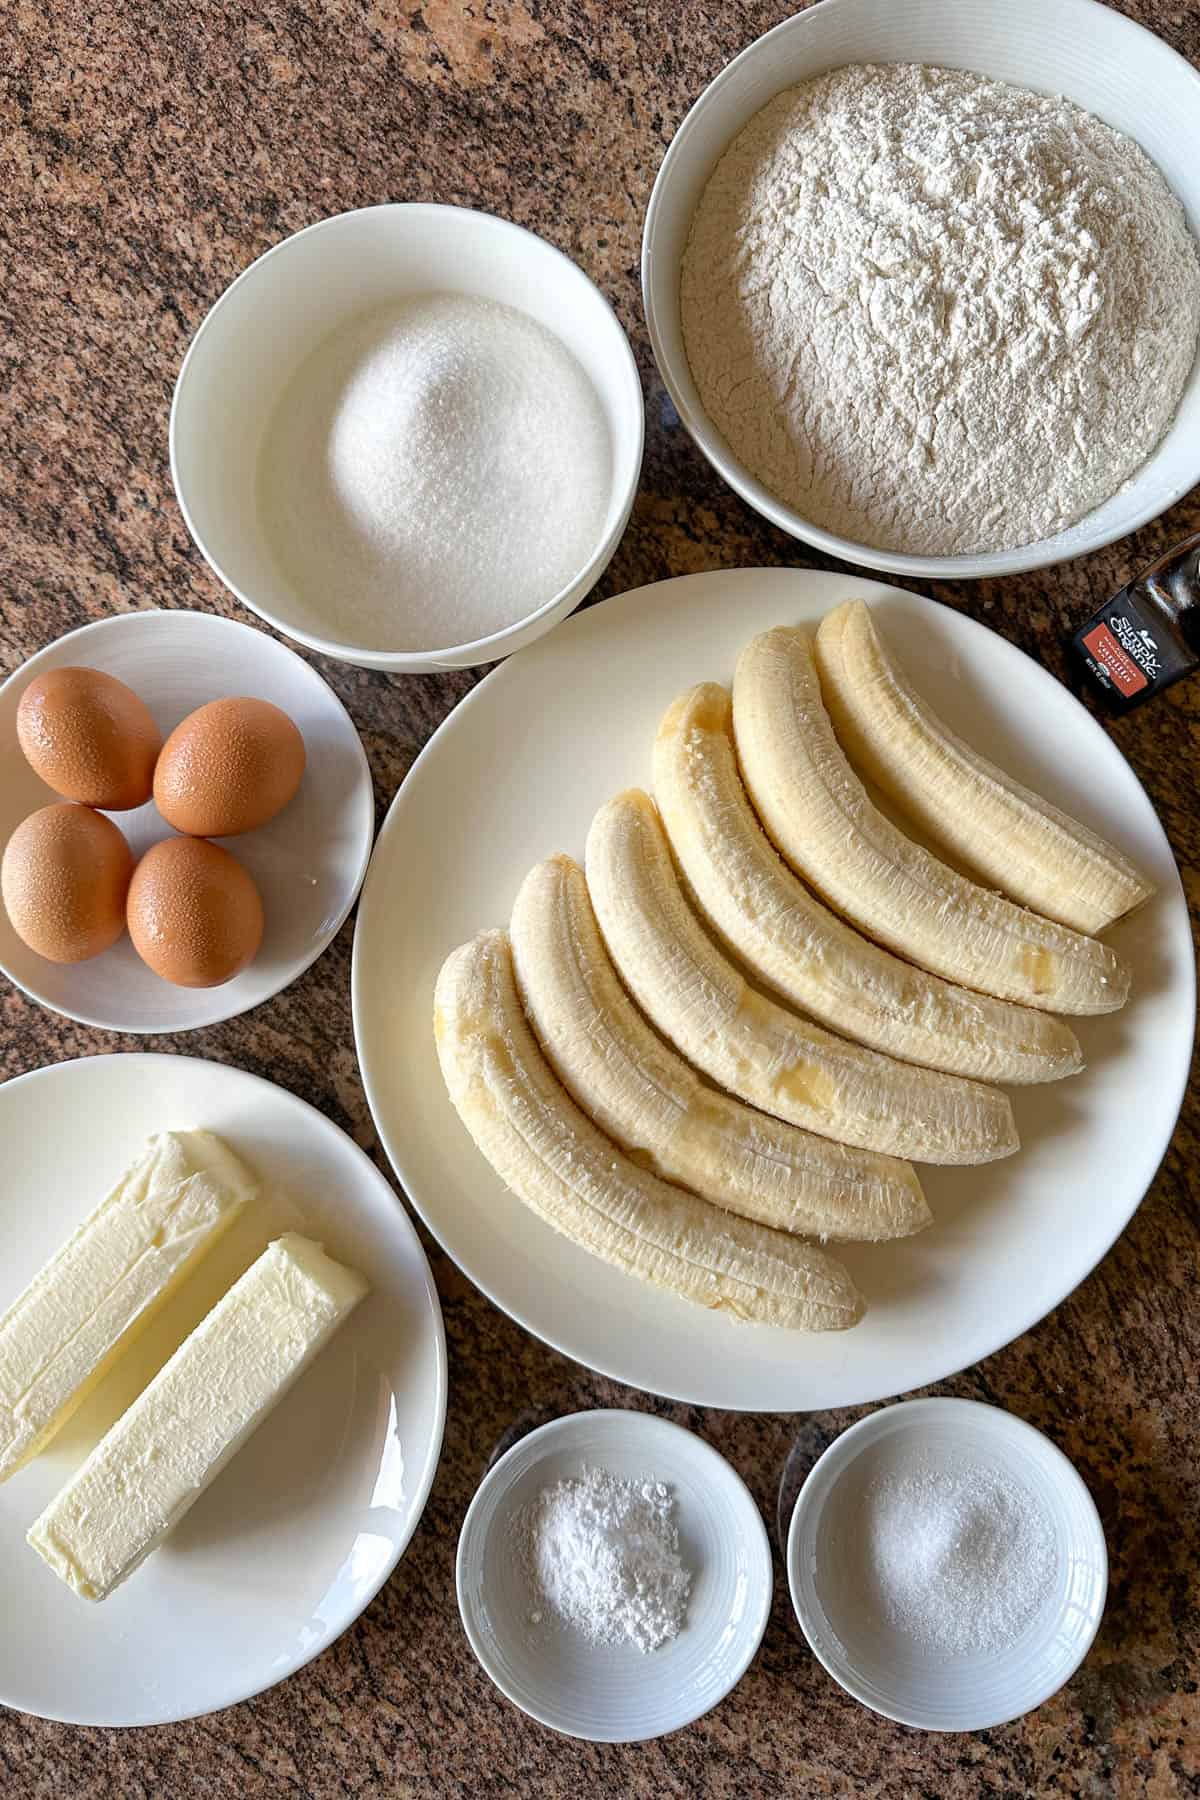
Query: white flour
(433, 472)
(603, 1555)
(936, 313)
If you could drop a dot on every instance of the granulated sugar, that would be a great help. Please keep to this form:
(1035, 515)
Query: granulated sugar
(602, 1555)
(433, 472)
(958, 1557)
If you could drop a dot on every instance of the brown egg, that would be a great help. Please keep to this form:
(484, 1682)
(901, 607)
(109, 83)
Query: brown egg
(194, 914)
(228, 767)
(89, 737)
(64, 878)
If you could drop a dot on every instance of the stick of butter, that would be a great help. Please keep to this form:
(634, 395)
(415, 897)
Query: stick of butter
(93, 1298)
(195, 1415)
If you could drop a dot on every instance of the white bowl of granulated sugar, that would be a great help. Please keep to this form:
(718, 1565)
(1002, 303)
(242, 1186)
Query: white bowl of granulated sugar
(614, 1576)
(409, 437)
(923, 281)
(947, 1564)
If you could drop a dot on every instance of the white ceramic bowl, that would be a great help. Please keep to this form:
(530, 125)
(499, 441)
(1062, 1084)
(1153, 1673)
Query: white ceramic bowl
(618, 1695)
(880, 1667)
(308, 862)
(1077, 48)
(279, 309)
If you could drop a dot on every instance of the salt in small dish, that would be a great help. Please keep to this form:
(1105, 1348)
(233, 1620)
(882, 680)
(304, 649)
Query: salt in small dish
(602, 1693)
(831, 1587)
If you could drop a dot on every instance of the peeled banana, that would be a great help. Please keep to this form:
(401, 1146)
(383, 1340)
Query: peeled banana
(1000, 830)
(799, 948)
(638, 1091)
(819, 817)
(739, 1038)
(573, 1177)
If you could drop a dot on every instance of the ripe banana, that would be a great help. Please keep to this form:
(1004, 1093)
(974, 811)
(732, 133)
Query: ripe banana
(819, 817)
(798, 947)
(1001, 831)
(638, 1091)
(557, 1162)
(739, 1038)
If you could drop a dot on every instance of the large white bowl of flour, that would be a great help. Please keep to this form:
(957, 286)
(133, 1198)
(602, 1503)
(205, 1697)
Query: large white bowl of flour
(409, 437)
(1076, 49)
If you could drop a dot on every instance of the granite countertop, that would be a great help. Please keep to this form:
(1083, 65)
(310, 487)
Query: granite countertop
(151, 151)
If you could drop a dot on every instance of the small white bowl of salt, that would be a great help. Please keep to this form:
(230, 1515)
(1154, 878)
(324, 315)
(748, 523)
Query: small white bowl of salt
(947, 1564)
(614, 1576)
(409, 437)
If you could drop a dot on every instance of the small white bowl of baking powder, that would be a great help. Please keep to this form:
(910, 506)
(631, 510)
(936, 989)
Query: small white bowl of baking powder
(409, 437)
(947, 1564)
(614, 1576)
(1085, 52)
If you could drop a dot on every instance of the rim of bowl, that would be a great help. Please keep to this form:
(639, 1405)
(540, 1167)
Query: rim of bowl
(192, 612)
(491, 646)
(562, 1426)
(1044, 553)
(1000, 1421)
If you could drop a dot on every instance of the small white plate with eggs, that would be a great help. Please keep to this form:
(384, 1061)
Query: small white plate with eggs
(307, 862)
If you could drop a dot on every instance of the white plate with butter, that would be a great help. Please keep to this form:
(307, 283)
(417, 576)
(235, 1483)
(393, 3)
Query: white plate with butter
(299, 1531)
(516, 774)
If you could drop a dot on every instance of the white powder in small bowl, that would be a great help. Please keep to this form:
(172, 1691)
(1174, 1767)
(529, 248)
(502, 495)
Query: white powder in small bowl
(433, 472)
(602, 1555)
(957, 1558)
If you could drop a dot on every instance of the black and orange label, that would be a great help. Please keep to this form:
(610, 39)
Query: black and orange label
(1120, 667)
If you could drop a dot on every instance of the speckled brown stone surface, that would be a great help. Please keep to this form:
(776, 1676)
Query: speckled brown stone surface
(148, 152)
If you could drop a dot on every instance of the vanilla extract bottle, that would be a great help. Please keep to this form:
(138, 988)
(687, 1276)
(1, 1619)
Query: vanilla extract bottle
(1145, 637)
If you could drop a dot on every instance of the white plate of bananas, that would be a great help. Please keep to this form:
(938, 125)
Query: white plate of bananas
(745, 1031)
